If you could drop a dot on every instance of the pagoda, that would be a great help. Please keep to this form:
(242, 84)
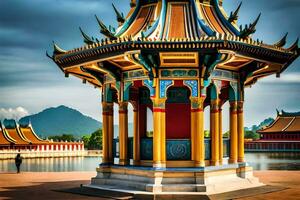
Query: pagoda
(175, 57)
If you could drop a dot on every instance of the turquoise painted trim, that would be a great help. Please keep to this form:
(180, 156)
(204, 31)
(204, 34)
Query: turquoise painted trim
(213, 92)
(163, 85)
(232, 93)
(163, 17)
(193, 85)
(144, 63)
(208, 31)
(126, 91)
(9, 123)
(128, 22)
(224, 20)
(149, 85)
(148, 32)
(108, 95)
(217, 61)
(195, 16)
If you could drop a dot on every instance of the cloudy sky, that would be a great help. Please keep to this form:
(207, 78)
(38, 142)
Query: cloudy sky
(30, 82)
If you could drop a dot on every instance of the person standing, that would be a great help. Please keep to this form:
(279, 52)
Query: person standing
(18, 162)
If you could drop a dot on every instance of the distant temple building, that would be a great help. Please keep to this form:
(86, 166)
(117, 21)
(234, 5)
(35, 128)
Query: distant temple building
(22, 137)
(282, 135)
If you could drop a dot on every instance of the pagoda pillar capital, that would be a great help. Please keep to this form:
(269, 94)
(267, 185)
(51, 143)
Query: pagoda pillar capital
(159, 103)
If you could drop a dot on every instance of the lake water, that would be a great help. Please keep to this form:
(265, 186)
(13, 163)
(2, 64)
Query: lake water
(259, 161)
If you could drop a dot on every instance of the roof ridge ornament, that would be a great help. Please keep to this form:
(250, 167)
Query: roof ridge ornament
(104, 30)
(57, 50)
(249, 30)
(295, 46)
(87, 39)
(120, 16)
(281, 42)
(234, 15)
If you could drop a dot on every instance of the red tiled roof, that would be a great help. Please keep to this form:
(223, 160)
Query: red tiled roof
(283, 124)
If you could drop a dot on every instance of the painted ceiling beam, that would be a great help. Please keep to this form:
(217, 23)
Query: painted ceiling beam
(97, 75)
(111, 70)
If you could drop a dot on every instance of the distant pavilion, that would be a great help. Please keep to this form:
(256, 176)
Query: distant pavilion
(176, 58)
(283, 135)
(14, 136)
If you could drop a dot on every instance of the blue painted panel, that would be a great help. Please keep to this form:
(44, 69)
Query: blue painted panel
(193, 84)
(207, 144)
(146, 149)
(116, 148)
(176, 149)
(130, 148)
(179, 149)
(149, 84)
(164, 84)
(226, 147)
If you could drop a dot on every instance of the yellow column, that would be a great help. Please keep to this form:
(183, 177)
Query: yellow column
(197, 127)
(220, 136)
(123, 132)
(214, 132)
(159, 133)
(136, 136)
(240, 111)
(194, 127)
(107, 132)
(233, 133)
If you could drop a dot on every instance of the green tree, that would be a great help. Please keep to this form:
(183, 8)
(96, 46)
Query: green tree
(226, 134)
(64, 137)
(251, 135)
(86, 139)
(206, 133)
(93, 141)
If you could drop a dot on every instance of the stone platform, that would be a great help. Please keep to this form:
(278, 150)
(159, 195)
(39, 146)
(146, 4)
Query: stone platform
(195, 181)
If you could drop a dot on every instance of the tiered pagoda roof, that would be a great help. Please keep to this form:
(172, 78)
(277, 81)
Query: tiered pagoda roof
(284, 123)
(185, 33)
(13, 132)
(28, 132)
(4, 137)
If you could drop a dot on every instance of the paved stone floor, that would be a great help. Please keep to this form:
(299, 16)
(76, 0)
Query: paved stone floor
(42, 185)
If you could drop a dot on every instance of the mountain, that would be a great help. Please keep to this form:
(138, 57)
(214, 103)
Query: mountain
(263, 124)
(62, 120)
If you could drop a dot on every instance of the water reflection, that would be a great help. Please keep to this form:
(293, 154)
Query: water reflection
(274, 161)
(259, 161)
(53, 164)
